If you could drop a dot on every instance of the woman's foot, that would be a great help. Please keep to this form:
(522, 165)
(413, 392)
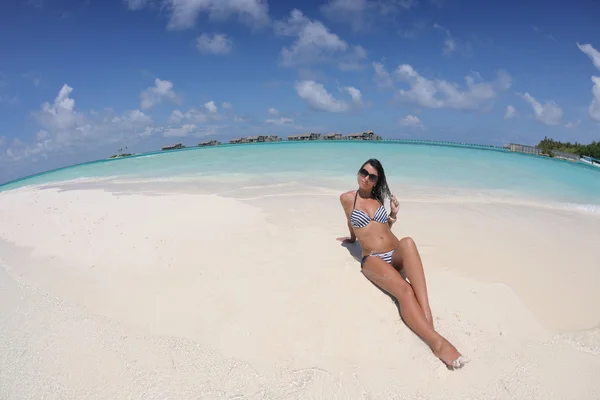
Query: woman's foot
(446, 352)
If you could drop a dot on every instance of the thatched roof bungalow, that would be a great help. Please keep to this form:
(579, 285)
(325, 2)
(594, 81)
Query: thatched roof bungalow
(366, 135)
(298, 137)
(332, 136)
(209, 143)
(174, 147)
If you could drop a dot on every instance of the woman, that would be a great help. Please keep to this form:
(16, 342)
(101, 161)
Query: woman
(384, 256)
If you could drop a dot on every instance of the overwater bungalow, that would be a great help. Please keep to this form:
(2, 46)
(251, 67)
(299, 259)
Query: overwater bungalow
(174, 147)
(209, 143)
(332, 136)
(298, 137)
(256, 139)
(355, 136)
(366, 135)
(265, 138)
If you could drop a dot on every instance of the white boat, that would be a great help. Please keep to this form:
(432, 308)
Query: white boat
(590, 161)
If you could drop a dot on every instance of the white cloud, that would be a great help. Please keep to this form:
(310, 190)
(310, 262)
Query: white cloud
(2, 141)
(64, 129)
(136, 4)
(594, 108)
(226, 106)
(211, 107)
(452, 44)
(548, 113)
(61, 114)
(424, 92)
(208, 113)
(183, 13)
(273, 112)
(510, 112)
(594, 55)
(182, 131)
(411, 121)
(136, 117)
(217, 43)
(353, 60)
(162, 90)
(315, 43)
(572, 124)
(354, 93)
(591, 52)
(279, 121)
(41, 135)
(176, 117)
(363, 14)
(382, 76)
(318, 98)
(192, 115)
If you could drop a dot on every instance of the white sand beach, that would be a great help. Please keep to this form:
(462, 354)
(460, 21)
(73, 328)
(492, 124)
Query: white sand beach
(248, 295)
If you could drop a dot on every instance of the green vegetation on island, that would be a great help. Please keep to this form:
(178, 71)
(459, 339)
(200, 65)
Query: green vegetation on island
(121, 155)
(550, 146)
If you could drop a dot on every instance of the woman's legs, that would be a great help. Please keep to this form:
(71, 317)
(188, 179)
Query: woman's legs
(407, 257)
(389, 279)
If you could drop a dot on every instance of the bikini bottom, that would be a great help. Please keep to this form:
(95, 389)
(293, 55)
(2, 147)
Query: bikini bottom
(387, 256)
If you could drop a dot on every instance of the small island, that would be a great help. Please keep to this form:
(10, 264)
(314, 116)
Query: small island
(121, 154)
(554, 148)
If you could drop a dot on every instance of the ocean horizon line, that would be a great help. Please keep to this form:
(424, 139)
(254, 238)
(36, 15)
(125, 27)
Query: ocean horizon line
(427, 142)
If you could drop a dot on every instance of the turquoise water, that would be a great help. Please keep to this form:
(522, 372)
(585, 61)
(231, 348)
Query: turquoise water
(488, 171)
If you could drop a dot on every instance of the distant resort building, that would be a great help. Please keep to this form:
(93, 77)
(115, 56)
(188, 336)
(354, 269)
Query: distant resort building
(256, 139)
(332, 136)
(368, 135)
(209, 143)
(534, 150)
(371, 135)
(174, 147)
(300, 136)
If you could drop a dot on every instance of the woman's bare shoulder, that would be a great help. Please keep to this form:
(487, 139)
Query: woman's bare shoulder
(347, 197)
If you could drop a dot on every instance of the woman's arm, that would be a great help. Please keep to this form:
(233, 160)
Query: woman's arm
(352, 235)
(394, 204)
(391, 219)
(344, 198)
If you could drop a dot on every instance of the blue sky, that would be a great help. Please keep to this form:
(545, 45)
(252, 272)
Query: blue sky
(81, 79)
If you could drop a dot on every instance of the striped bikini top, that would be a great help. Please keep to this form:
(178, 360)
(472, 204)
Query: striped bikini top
(360, 219)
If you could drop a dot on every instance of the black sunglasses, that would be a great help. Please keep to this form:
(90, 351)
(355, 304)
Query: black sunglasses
(372, 177)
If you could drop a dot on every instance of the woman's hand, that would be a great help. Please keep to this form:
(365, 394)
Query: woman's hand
(346, 239)
(394, 206)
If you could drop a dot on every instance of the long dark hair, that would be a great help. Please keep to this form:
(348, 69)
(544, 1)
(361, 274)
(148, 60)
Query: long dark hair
(380, 191)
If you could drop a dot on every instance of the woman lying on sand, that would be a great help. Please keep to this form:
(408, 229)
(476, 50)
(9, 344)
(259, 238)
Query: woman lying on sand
(384, 256)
